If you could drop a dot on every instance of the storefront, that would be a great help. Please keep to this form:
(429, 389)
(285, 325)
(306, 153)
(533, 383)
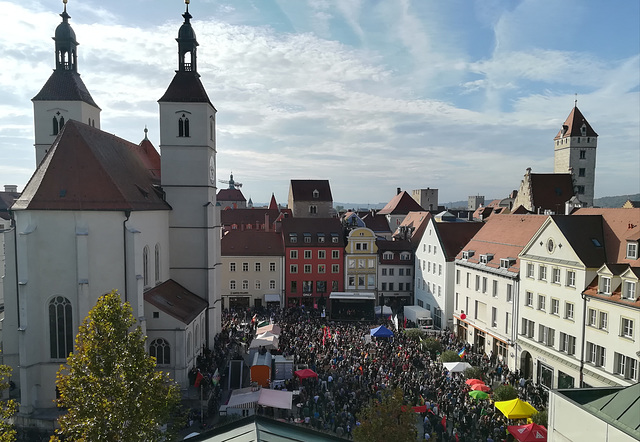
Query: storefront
(272, 300)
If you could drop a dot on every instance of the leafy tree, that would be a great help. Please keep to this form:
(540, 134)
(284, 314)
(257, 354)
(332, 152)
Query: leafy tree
(8, 408)
(110, 386)
(449, 356)
(384, 419)
(432, 345)
(474, 373)
(541, 418)
(415, 334)
(505, 393)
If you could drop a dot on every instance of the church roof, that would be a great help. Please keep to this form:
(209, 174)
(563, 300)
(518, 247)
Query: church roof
(88, 169)
(176, 301)
(185, 87)
(65, 86)
(573, 123)
(150, 158)
(401, 204)
(273, 205)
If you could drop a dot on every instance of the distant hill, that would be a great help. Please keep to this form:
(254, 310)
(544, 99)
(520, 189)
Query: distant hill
(615, 201)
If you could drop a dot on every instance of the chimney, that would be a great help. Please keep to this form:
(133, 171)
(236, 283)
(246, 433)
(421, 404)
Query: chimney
(11, 188)
(398, 190)
(266, 222)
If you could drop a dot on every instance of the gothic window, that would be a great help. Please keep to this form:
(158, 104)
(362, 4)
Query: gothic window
(197, 338)
(145, 265)
(55, 126)
(186, 127)
(181, 127)
(156, 262)
(160, 349)
(211, 128)
(189, 344)
(60, 327)
(61, 122)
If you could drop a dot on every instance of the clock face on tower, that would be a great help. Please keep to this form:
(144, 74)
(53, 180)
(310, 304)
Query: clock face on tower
(212, 171)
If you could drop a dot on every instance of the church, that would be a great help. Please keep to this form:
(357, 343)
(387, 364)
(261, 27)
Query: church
(102, 213)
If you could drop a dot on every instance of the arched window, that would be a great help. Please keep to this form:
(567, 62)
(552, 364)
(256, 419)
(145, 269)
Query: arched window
(197, 338)
(180, 127)
(55, 126)
(189, 344)
(61, 122)
(145, 265)
(186, 127)
(60, 327)
(157, 263)
(203, 328)
(160, 349)
(211, 128)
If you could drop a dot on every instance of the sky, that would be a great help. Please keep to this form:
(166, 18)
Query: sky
(458, 95)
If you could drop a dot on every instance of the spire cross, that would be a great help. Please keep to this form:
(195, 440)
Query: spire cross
(65, 5)
(575, 102)
(186, 2)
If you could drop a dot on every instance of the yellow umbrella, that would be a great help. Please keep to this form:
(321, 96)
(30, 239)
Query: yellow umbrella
(516, 409)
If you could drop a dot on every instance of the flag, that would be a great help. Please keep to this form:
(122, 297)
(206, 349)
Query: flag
(444, 421)
(405, 323)
(462, 352)
(199, 379)
(254, 318)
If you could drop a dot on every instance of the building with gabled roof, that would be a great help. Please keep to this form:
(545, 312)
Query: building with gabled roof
(487, 281)
(544, 193)
(101, 213)
(395, 268)
(311, 199)
(398, 207)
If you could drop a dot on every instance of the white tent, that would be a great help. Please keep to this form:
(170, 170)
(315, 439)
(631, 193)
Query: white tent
(268, 343)
(266, 335)
(246, 398)
(456, 367)
(273, 328)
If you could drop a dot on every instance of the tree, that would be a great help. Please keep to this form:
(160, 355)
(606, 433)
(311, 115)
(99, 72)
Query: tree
(415, 334)
(449, 356)
(8, 408)
(541, 418)
(110, 386)
(474, 373)
(385, 419)
(432, 345)
(504, 393)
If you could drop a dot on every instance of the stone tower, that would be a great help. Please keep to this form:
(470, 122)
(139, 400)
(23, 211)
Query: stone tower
(575, 153)
(188, 155)
(64, 96)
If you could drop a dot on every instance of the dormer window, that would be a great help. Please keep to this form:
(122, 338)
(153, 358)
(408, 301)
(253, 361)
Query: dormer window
(605, 285)
(334, 238)
(505, 263)
(583, 130)
(293, 237)
(632, 249)
(387, 255)
(485, 258)
(307, 238)
(466, 254)
(320, 237)
(407, 256)
(629, 290)
(316, 194)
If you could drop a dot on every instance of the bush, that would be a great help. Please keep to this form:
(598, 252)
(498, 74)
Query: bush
(505, 393)
(541, 418)
(415, 334)
(449, 356)
(474, 373)
(432, 345)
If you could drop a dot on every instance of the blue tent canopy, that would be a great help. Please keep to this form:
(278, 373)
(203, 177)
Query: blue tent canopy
(381, 332)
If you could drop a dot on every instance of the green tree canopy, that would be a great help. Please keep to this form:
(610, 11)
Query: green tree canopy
(449, 356)
(474, 373)
(110, 386)
(541, 417)
(504, 393)
(8, 408)
(384, 420)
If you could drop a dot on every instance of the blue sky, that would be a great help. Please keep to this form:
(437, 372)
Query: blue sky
(457, 95)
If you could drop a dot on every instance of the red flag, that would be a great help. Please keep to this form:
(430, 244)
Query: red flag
(405, 323)
(444, 421)
(254, 318)
(199, 379)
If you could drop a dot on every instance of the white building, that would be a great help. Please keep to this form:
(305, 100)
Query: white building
(97, 216)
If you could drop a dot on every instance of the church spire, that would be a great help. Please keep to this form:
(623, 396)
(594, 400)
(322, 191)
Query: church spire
(187, 44)
(66, 44)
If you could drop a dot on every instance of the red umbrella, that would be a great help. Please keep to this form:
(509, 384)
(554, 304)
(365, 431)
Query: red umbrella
(306, 373)
(528, 433)
(474, 381)
(480, 387)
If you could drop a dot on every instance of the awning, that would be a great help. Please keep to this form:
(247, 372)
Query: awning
(275, 398)
(271, 297)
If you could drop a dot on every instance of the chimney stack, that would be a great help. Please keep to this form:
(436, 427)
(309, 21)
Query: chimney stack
(11, 188)
(398, 190)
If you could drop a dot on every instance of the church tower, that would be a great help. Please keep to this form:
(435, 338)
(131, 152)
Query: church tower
(188, 164)
(575, 152)
(64, 96)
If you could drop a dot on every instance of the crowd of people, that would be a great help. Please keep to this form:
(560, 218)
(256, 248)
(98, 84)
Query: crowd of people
(353, 369)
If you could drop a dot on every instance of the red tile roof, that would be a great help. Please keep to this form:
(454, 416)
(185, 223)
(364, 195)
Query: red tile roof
(455, 235)
(150, 158)
(88, 169)
(376, 222)
(620, 225)
(302, 190)
(247, 216)
(230, 195)
(273, 205)
(503, 236)
(418, 222)
(593, 291)
(573, 124)
(330, 227)
(401, 204)
(176, 301)
(551, 190)
(252, 243)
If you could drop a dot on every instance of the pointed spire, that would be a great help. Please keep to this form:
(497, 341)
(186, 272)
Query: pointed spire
(187, 44)
(145, 132)
(273, 205)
